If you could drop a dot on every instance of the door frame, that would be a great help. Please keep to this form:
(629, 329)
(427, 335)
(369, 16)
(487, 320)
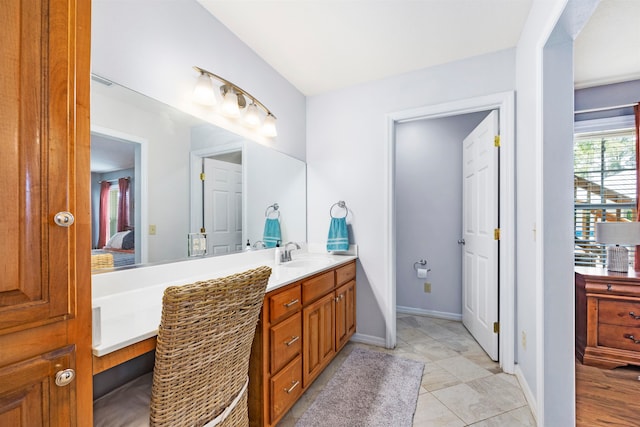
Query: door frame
(504, 102)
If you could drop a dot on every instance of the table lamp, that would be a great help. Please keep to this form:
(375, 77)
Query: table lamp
(615, 234)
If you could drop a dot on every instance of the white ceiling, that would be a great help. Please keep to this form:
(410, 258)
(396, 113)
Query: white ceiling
(322, 45)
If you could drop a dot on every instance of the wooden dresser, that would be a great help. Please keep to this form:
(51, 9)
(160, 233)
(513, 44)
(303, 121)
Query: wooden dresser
(607, 317)
(302, 327)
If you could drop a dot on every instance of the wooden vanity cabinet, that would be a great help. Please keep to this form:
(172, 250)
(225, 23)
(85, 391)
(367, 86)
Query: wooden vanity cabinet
(300, 330)
(45, 286)
(607, 318)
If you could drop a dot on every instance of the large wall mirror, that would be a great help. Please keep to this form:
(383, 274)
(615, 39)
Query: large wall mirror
(146, 161)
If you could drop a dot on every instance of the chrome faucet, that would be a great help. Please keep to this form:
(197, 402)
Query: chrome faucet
(286, 254)
(259, 242)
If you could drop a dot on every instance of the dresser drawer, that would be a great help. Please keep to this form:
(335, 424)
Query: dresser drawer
(285, 341)
(616, 336)
(284, 303)
(286, 387)
(345, 273)
(318, 286)
(623, 313)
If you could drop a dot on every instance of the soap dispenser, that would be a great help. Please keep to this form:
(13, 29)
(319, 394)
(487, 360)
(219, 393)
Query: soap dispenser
(278, 253)
(248, 248)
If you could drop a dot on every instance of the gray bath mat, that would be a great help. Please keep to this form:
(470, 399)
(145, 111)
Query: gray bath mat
(370, 389)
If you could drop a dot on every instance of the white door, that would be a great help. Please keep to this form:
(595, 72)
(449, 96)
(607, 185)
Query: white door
(222, 206)
(480, 220)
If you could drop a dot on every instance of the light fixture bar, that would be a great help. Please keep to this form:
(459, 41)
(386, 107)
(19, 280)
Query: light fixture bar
(236, 88)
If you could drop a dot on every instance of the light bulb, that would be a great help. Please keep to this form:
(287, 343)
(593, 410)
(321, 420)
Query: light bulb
(251, 116)
(203, 92)
(230, 104)
(269, 126)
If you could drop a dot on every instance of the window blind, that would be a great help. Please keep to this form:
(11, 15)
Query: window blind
(604, 188)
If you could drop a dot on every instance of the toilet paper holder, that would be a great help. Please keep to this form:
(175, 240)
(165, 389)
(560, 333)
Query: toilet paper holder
(420, 264)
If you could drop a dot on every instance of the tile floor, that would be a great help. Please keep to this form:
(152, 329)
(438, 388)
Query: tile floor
(461, 386)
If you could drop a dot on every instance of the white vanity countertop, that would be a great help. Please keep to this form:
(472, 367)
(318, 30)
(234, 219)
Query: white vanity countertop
(129, 301)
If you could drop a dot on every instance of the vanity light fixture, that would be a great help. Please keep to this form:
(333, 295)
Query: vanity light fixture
(234, 102)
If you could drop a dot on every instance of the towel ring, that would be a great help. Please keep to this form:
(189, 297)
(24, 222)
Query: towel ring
(340, 204)
(274, 209)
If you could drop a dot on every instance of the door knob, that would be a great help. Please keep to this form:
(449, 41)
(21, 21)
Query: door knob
(64, 219)
(65, 377)
(461, 241)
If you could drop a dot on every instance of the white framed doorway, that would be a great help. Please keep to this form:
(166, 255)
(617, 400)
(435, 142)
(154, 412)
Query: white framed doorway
(504, 102)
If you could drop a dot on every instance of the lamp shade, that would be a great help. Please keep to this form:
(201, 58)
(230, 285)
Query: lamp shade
(618, 233)
(203, 92)
(269, 126)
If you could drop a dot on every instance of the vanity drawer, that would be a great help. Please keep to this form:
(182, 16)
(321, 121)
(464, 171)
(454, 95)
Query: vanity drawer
(625, 313)
(286, 387)
(285, 341)
(318, 286)
(345, 273)
(284, 303)
(616, 336)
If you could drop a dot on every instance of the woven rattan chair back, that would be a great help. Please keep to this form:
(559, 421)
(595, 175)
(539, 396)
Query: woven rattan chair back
(203, 349)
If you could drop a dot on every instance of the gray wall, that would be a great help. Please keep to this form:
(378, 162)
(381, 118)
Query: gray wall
(429, 212)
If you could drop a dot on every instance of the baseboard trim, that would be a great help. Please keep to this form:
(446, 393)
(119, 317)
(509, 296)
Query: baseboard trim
(368, 339)
(429, 313)
(524, 385)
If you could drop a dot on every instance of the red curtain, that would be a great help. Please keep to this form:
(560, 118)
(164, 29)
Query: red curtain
(103, 221)
(636, 110)
(123, 204)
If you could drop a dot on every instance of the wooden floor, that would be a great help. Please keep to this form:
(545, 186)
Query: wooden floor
(607, 397)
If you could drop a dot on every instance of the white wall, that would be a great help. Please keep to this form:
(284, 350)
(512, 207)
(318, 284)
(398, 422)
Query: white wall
(346, 154)
(543, 162)
(429, 212)
(151, 47)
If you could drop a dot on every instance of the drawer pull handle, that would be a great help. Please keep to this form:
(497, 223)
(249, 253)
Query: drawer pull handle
(632, 338)
(635, 316)
(294, 339)
(289, 390)
(609, 286)
(292, 302)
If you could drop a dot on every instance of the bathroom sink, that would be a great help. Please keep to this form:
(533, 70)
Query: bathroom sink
(307, 263)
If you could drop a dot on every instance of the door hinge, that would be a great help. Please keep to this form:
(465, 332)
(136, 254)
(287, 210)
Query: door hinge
(496, 234)
(496, 140)
(496, 327)
(202, 176)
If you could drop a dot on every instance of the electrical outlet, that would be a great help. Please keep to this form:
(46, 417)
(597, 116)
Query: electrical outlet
(524, 340)
(427, 287)
(152, 229)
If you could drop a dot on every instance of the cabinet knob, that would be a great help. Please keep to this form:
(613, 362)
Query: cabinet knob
(634, 315)
(64, 219)
(65, 377)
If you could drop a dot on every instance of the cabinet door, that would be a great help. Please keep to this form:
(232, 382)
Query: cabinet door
(345, 313)
(318, 337)
(45, 295)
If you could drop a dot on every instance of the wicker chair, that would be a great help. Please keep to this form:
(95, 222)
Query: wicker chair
(201, 368)
(101, 261)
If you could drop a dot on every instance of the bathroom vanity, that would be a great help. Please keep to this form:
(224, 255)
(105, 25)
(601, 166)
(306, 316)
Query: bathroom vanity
(302, 327)
(307, 317)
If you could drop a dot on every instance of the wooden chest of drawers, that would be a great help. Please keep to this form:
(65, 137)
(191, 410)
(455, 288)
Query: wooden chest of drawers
(607, 318)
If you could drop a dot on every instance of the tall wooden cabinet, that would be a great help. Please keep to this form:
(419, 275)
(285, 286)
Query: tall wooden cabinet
(45, 282)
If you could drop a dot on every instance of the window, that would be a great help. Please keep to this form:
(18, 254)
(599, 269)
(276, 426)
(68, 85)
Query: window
(604, 188)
